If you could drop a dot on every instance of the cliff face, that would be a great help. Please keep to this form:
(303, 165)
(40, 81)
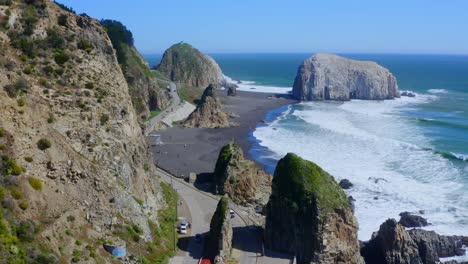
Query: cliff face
(74, 155)
(185, 64)
(240, 178)
(219, 243)
(331, 77)
(308, 215)
(147, 92)
(209, 113)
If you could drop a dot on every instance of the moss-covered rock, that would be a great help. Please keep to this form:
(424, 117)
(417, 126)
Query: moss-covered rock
(219, 242)
(185, 64)
(309, 215)
(240, 178)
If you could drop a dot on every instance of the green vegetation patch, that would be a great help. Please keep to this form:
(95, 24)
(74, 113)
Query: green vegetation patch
(9, 166)
(44, 144)
(35, 183)
(299, 181)
(190, 94)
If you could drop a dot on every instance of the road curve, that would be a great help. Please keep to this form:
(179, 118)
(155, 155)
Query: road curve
(175, 102)
(202, 206)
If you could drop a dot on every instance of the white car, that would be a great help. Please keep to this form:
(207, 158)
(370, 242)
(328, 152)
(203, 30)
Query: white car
(232, 213)
(183, 230)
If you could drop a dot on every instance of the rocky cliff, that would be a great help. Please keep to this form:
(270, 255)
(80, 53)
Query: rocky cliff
(393, 244)
(331, 77)
(185, 64)
(308, 215)
(209, 113)
(219, 243)
(75, 166)
(240, 178)
(147, 91)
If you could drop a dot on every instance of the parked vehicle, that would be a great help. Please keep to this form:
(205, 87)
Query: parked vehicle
(183, 230)
(232, 213)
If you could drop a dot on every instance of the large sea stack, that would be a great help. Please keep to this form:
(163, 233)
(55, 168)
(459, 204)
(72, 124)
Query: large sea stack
(209, 113)
(309, 216)
(331, 77)
(185, 64)
(240, 178)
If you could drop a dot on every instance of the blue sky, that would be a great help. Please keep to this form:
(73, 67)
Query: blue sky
(342, 26)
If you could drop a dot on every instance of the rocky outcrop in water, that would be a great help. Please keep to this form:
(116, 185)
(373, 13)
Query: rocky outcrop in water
(393, 244)
(408, 219)
(308, 215)
(331, 77)
(185, 64)
(219, 242)
(240, 178)
(209, 113)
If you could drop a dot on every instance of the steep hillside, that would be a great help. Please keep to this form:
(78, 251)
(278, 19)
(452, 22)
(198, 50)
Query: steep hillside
(187, 65)
(76, 170)
(149, 94)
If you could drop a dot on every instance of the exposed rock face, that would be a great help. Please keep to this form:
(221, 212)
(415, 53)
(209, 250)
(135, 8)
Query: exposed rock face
(240, 178)
(185, 64)
(219, 243)
(432, 246)
(410, 220)
(66, 90)
(231, 89)
(331, 77)
(393, 244)
(308, 215)
(147, 92)
(209, 113)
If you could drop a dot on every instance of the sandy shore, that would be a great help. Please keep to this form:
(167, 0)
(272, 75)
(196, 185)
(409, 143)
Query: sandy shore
(196, 149)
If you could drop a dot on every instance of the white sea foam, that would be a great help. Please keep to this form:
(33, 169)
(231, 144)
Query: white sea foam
(368, 143)
(437, 91)
(251, 86)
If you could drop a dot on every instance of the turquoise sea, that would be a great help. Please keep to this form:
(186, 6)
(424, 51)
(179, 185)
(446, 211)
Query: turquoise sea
(408, 154)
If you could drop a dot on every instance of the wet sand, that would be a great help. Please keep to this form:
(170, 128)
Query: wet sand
(186, 150)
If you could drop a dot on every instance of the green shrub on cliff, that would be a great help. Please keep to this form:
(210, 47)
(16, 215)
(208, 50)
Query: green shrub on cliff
(299, 181)
(120, 37)
(44, 144)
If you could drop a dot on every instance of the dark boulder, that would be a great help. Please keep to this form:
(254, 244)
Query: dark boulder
(345, 184)
(410, 220)
(231, 89)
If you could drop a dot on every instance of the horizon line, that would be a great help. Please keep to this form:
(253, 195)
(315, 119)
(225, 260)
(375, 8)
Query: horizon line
(305, 52)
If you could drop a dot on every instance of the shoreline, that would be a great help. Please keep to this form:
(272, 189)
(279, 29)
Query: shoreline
(186, 150)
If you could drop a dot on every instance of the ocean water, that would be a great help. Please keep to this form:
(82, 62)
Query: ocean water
(408, 154)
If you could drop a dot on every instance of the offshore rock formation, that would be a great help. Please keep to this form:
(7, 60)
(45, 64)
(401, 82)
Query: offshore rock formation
(219, 243)
(331, 77)
(185, 64)
(240, 178)
(393, 244)
(308, 215)
(209, 113)
(74, 159)
(411, 220)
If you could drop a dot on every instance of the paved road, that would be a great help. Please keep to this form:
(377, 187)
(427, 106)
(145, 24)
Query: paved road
(175, 102)
(247, 239)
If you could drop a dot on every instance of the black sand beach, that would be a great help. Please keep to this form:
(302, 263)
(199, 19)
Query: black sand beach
(186, 150)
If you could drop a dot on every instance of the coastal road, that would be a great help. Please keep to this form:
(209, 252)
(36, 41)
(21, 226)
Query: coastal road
(175, 102)
(247, 245)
